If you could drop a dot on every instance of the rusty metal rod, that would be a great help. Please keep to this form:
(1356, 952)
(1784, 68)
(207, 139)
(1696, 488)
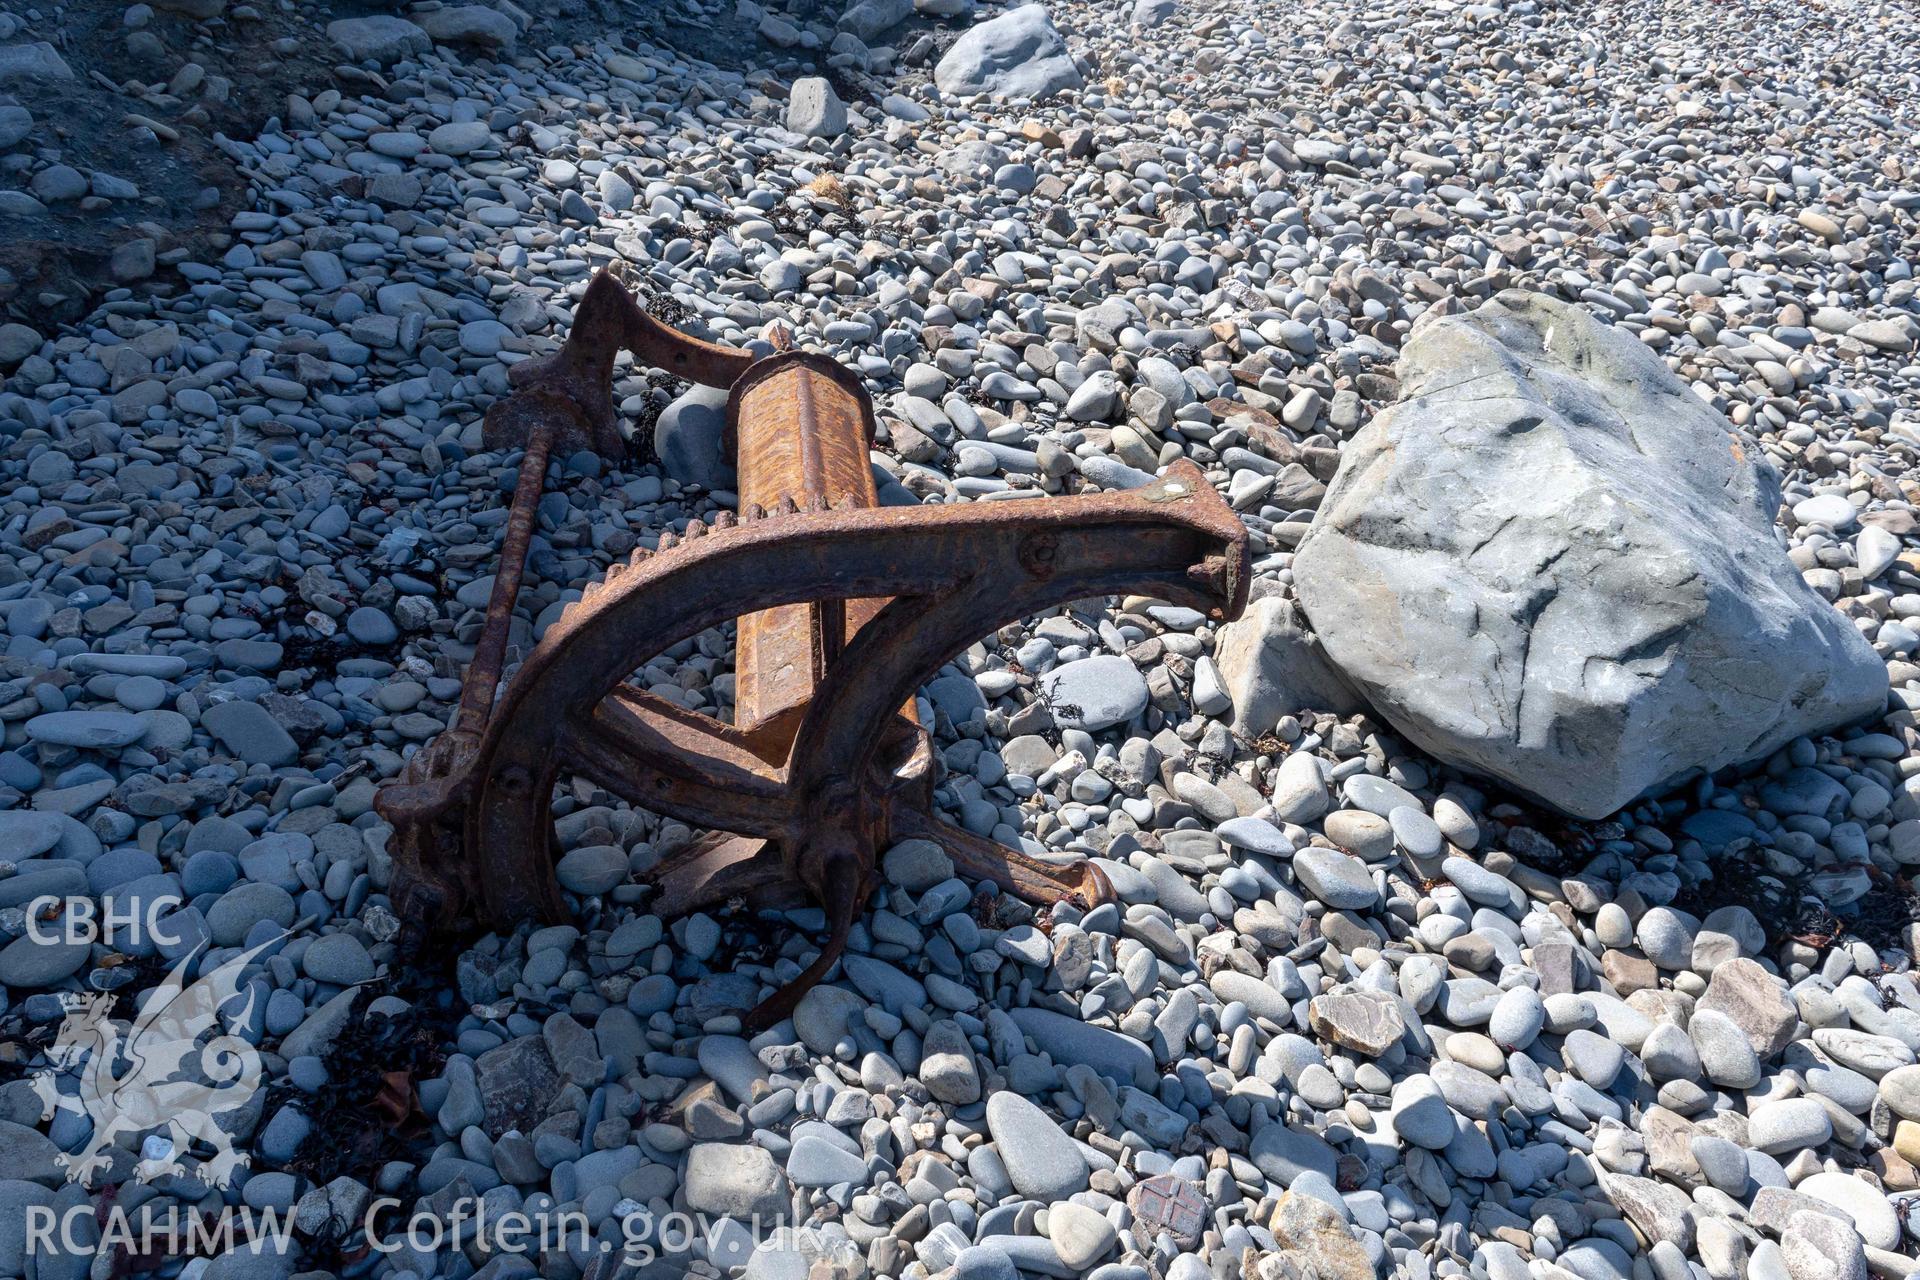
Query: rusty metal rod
(489, 654)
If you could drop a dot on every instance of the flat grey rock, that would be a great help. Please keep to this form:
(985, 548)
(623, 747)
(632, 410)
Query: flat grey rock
(29, 962)
(735, 1181)
(245, 729)
(88, 730)
(1095, 693)
(1043, 1162)
(1283, 1153)
(815, 1162)
(592, 869)
(1256, 836)
(24, 833)
(1113, 1055)
(1332, 877)
(245, 905)
(1788, 1125)
(1271, 665)
(338, 958)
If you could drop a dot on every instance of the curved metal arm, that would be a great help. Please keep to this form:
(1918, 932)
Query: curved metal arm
(570, 392)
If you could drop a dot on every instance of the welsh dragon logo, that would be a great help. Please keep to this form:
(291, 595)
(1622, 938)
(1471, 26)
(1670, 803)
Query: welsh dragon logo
(174, 1067)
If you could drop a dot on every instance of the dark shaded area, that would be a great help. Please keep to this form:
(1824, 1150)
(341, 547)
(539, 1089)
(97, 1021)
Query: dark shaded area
(145, 104)
(1787, 904)
(1781, 903)
(55, 262)
(368, 1111)
(303, 649)
(1790, 910)
(1797, 914)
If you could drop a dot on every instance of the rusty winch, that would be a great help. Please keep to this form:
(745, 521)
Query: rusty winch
(845, 608)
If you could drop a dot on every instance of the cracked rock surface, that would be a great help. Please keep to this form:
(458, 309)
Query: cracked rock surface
(1551, 563)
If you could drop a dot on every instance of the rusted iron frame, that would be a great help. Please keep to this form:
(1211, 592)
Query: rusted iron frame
(571, 391)
(858, 605)
(827, 806)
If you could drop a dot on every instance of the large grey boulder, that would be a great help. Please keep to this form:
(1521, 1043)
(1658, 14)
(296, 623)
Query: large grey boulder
(37, 60)
(380, 38)
(1551, 563)
(870, 18)
(1016, 55)
(469, 24)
